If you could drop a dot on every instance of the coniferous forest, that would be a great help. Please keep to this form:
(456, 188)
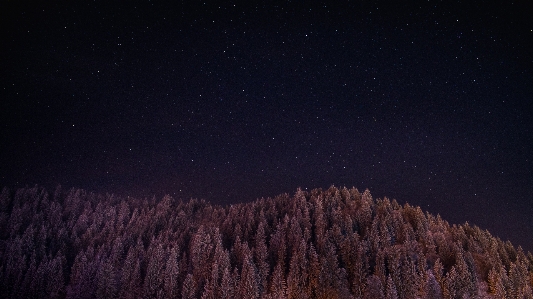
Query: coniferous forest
(335, 243)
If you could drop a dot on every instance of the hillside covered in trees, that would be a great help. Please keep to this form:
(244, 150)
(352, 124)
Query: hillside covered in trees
(335, 243)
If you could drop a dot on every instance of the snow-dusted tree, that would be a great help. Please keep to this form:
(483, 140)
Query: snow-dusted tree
(391, 292)
(297, 283)
(278, 286)
(153, 281)
(171, 274)
(374, 288)
(434, 290)
(249, 280)
(451, 284)
(82, 277)
(227, 285)
(106, 280)
(260, 257)
(201, 253)
(131, 274)
(496, 286)
(314, 271)
(209, 290)
(189, 290)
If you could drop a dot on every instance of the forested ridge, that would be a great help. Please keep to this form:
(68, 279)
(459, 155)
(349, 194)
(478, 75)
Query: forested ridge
(334, 243)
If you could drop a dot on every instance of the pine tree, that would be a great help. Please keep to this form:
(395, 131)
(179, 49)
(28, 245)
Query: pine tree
(438, 273)
(320, 226)
(56, 282)
(189, 288)
(209, 290)
(496, 285)
(201, 254)
(374, 288)
(422, 275)
(434, 290)
(171, 276)
(81, 277)
(261, 255)
(227, 285)
(298, 272)
(26, 287)
(329, 269)
(450, 284)
(106, 280)
(249, 282)
(131, 274)
(409, 278)
(278, 285)
(466, 283)
(153, 281)
(314, 271)
(391, 292)
(360, 268)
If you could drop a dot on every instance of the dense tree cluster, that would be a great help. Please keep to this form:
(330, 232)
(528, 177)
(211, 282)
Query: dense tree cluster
(337, 243)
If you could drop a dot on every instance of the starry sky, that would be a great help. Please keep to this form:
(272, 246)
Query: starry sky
(426, 102)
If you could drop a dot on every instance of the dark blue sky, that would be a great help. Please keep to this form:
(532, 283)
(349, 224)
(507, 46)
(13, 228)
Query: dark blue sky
(427, 103)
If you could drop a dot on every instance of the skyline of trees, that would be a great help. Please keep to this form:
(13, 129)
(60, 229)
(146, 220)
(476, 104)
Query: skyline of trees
(334, 243)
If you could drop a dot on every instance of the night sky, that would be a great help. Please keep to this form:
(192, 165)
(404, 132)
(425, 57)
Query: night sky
(425, 102)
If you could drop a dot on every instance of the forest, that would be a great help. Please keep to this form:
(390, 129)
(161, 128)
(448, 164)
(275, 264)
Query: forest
(334, 243)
